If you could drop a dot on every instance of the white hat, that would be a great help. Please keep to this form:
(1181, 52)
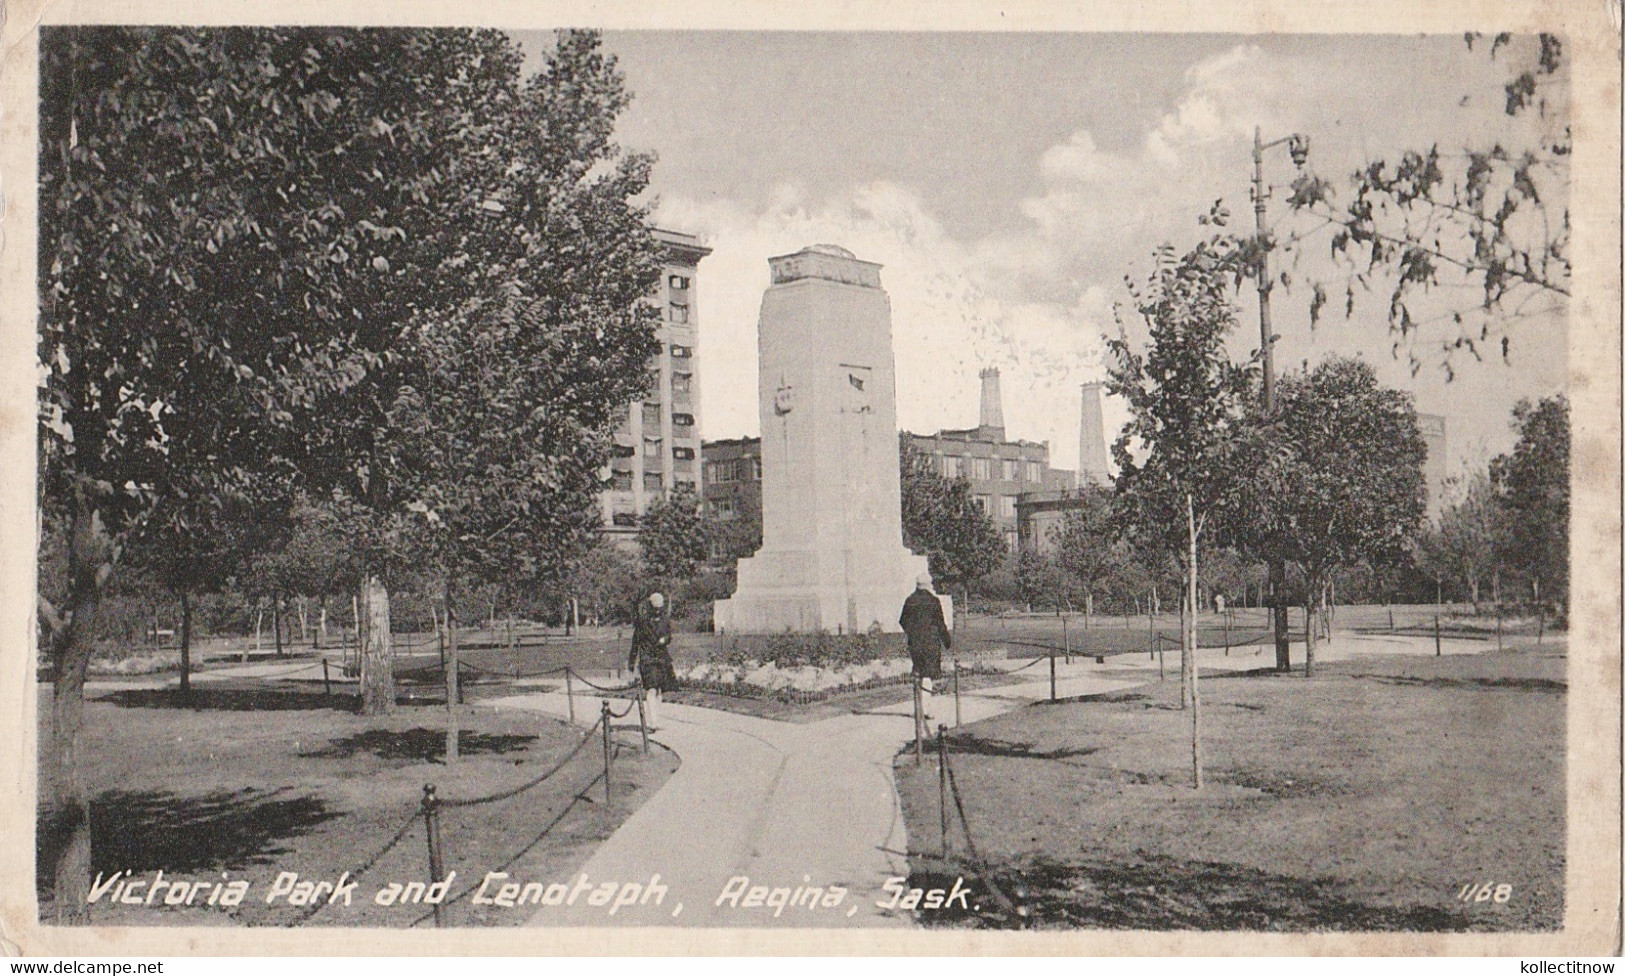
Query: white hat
(656, 599)
(923, 581)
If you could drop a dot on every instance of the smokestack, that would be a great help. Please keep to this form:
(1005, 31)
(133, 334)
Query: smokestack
(992, 402)
(1092, 466)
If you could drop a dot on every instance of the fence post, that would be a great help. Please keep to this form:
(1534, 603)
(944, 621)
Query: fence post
(1226, 634)
(431, 823)
(956, 692)
(1438, 644)
(942, 783)
(1066, 640)
(919, 723)
(570, 693)
(327, 684)
(1498, 646)
(1162, 674)
(604, 720)
(643, 720)
(1052, 675)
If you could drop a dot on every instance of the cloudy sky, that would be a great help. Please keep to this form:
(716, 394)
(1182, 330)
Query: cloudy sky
(1008, 183)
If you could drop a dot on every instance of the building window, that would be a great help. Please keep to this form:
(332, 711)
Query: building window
(952, 467)
(682, 384)
(1032, 471)
(1012, 470)
(1007, 506)
(682, 420)
(678, 282)
(651, 416)
(683, 453)
(756, 468)
(980, 469)
(1010, 541)
(625, 451)
(679, 314)
(651, 447)
(680, 352)
(622, 481)
(711, 474)
(980, 501)
(625, 520)
(651, 481)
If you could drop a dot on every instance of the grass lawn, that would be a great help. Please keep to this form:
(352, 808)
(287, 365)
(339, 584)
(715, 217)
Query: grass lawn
(1365, 799)
(255, 780)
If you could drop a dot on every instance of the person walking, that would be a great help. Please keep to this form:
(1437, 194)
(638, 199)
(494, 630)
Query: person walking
(928, 636)
(651, 656)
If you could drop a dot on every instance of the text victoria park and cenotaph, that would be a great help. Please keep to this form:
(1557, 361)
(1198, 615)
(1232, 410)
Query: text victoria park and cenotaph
(832, 555)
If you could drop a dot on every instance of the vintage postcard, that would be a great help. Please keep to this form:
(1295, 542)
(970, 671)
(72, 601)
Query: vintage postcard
(810, 478)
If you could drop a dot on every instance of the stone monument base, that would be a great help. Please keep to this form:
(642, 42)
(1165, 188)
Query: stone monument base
(796, 592)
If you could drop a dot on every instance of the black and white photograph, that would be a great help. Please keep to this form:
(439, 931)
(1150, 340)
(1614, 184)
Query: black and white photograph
(966, 484)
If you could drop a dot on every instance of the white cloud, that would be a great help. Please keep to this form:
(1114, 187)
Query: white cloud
(1034, 301)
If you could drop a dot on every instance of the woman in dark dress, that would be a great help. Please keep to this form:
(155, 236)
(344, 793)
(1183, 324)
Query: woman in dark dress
(651, 654)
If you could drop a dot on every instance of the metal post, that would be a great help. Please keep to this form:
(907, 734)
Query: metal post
(603, 720)
(1226, 634)
(956, 692)
(919, 724)
(1052, 675)
(1066, 640)
(570, 693)
(1438, 644)
(1162, 674)
(643, 720)
(942, 783)
(327, 684)
(431, 823)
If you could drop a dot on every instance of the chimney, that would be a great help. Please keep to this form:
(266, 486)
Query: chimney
(992, 416)
(1092, 466)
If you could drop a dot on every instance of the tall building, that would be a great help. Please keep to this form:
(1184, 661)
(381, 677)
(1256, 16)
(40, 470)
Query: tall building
(657, 444)
(1092, 462)
(1000, 471)
(1433, 468)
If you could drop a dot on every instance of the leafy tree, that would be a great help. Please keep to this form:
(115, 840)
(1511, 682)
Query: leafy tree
(674, 537)
(1490, 220)
(1337, 476)
(1039, 578)
(1532, 483)
(1462, 548)
(1086, 542)
(605, 581)
(237, 229)
(737, 534)
(1178, 455)
(943, 522)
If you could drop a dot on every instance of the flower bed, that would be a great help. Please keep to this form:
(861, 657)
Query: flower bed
(803, 668)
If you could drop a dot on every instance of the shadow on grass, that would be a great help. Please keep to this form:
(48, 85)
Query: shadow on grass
(1517, 684)
(959, 745)
(1169, 895)
(418, 745)
(158, 830)
(230, 700)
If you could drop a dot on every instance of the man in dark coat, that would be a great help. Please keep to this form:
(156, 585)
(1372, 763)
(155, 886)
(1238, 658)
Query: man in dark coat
(651, 658)
(928, 636)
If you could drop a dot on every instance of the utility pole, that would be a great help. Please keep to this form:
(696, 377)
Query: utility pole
(1299, 148)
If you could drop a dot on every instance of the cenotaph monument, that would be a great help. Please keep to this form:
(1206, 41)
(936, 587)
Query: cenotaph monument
(832, 556)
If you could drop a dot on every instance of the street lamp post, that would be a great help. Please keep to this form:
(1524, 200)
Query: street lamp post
(1298, 146)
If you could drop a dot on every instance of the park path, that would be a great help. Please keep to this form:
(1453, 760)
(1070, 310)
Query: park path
(814, 804)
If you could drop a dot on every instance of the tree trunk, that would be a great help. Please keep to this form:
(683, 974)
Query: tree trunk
(321, 624)
(186, 645)
(1279, 621)
(276, 623)
(1190, 650)
(1184, 647)
(377, 673)
(1311, 597)
(259, 627)
(304, 631)
(453, 732)
(91, 556)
